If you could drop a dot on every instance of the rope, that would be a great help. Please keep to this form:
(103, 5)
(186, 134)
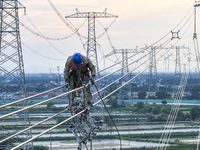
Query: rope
(110, 116)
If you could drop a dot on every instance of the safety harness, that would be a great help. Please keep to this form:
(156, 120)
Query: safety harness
(77, 68)
(74, 67)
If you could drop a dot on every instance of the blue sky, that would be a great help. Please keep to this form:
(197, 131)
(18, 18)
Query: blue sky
(139, 23)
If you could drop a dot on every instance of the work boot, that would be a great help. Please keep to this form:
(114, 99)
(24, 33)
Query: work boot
(89, 103)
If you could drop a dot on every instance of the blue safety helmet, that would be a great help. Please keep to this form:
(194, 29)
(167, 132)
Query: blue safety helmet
(77, 59)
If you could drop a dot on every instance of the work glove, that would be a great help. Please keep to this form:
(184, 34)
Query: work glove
(92, 79)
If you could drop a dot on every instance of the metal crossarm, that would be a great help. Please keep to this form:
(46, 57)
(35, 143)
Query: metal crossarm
(91, 40)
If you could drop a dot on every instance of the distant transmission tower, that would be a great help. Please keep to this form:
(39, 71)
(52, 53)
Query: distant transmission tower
(91, 41)
(195, 39)
(178, 59)
(11, 60)
(125, 67)
(152, 63)
(124, 53)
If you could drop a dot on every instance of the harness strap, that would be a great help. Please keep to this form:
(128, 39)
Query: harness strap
(74, 67)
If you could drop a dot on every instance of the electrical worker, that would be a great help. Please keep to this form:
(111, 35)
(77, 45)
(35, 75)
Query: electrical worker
(76, 72)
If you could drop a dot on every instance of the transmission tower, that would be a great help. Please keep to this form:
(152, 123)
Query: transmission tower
(91, 41)
(11, 59)
(124, 53)
(178, 59)
(152, 64)
(195, 39)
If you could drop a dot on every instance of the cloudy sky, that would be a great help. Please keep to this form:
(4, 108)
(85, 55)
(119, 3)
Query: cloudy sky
(139, 23)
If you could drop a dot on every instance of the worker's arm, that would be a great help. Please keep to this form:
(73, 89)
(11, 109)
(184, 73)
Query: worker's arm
(68, 65)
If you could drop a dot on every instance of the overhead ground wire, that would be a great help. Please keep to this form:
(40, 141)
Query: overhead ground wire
(82, 110)
(65, 22)
(34, 125)
(63, 86)
(133, 55)
(178, 96)
(40, 53)
(17, 111)
(182, 88)
(43, 36)
(61, 112)
(173, 114)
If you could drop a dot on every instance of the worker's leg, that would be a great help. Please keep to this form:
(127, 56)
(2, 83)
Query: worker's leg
(88, 93)
(72, 84)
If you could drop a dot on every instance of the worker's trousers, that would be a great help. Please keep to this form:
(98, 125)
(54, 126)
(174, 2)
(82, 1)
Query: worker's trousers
(76, 81)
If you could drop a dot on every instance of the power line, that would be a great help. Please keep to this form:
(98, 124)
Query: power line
(66, 23)
(45, 39)
(79, 112)
(42, 36)
(74, 30)
(41, 54)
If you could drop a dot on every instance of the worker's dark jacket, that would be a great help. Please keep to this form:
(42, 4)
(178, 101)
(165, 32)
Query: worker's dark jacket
(72, 74)
(80, 71)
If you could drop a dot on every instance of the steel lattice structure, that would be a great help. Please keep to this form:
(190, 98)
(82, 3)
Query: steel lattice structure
(11, 58)
(10, 43)
(178, 59)
(152, 64)
(124, 53)
(91, 41)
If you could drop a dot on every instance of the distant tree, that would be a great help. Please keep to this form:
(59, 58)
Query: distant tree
(195, 92)
(166, 110)
(187, 117)
(162, 94)
(113, 102)
(164, 102)
(151, 97)
(142, 94)
(150, 118)
(156, 110)
(41, 147)
(122, 104)
(139, 105)
(149, 109)
(111, 99)
(50, 105)
(195, 112)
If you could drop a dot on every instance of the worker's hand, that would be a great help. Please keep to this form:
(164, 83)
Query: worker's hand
(92, 80)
